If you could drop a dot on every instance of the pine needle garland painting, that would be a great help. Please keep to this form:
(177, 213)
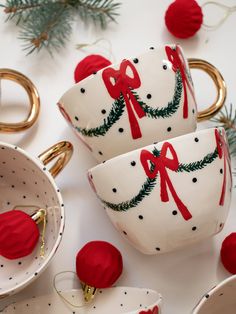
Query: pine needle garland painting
(48, 23)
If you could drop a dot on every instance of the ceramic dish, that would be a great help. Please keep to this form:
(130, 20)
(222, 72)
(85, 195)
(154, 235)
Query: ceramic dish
(139, 101)
(220, 299)
(116, 300)
(168, 195)
(25, 181)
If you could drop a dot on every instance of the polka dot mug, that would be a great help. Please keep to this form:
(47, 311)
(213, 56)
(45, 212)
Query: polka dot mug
(25, 181)
(116, 300)
(220, 299)
(168, 195)
(138, 102)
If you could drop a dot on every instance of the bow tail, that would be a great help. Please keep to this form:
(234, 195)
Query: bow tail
(222, 197)
(134, 126)
(182, 208)
(185, 108)
(137, 107)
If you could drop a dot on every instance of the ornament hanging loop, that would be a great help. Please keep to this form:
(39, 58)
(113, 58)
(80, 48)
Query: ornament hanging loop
(219, 82)
(19, 78)
(59, 292)
(227, 12)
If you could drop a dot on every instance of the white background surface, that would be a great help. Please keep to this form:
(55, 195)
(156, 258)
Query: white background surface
(182, 277)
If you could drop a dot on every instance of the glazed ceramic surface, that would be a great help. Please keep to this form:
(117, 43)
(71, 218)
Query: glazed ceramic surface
(133, 104)
(168, 195)
(112, 300)
(221, 299)
(26, 181)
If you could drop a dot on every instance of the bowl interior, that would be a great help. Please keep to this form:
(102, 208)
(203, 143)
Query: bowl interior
(113, 300)
(220, 300)
(26, 182)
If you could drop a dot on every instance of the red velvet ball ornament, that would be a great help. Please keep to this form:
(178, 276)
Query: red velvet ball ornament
(19, 234)
(89, 65)
(228, 253)
(184, 18)
(99, 264)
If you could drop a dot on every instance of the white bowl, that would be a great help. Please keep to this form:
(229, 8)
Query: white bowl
(220, 299)
(179, 205)
(116, 300)
(26, 181)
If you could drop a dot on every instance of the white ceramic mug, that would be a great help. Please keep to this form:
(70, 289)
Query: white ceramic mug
(138, 102)
(168, 195)
(116, 300)
(220, 299)
(25, 181)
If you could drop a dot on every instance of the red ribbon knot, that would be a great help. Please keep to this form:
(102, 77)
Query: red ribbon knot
(119, 82)
(161, 163)
(177, 59)
(223, 151)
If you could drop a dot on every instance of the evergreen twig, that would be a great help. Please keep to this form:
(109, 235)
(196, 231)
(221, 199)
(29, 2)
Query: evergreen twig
(48, 23)
(227, 119)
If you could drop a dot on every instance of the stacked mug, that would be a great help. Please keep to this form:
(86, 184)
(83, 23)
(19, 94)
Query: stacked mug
(163, 184)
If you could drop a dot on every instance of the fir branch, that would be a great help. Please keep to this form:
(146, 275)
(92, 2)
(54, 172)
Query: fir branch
(227, 119)
(119, 106)
(149, 184)
(43, 27)
(97, 10)
(48, 23)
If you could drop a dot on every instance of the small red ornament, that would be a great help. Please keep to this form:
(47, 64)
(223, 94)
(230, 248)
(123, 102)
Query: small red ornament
(153, 311)
(98, 265)
(228, 253)
(19, 233)
(184, 18)
(89, 65)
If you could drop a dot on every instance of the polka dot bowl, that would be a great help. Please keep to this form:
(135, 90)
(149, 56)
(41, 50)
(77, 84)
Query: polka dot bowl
(137, 102)
(168, 195)
(116, 300)
(220, 299)
(25, 182)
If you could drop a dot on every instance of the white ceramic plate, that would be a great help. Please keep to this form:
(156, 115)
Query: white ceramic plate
(107, 301)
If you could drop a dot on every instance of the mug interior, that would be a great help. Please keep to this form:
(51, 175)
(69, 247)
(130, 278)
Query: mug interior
(112, 300)
(24, 181)
(221, 299)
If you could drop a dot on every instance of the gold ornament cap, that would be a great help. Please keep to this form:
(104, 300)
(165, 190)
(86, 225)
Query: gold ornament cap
(89, 292)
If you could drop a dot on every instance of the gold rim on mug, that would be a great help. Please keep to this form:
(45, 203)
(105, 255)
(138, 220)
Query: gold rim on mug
(34, 100)
(219, 82)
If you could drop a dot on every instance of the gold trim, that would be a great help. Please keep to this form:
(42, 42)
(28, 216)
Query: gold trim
(33, 95)
(219, 82)
(64, 150)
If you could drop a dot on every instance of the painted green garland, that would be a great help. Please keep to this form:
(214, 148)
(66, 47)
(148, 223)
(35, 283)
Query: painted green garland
(149, 184)
(118, 108)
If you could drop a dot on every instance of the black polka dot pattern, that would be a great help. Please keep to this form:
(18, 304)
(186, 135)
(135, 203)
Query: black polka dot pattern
(28, 183)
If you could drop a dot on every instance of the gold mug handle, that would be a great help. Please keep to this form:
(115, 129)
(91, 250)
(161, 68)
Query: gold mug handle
(219, 82)
(9, 74)
(63, 150)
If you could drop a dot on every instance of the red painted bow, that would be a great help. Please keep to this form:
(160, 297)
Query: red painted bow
(153, 311)
(223, 151)
(119, 82)
(178, 63)
(161, 163)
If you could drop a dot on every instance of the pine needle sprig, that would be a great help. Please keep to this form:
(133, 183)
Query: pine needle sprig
(44, 28)
(48, 23)
(97, 10)
(227, 119)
